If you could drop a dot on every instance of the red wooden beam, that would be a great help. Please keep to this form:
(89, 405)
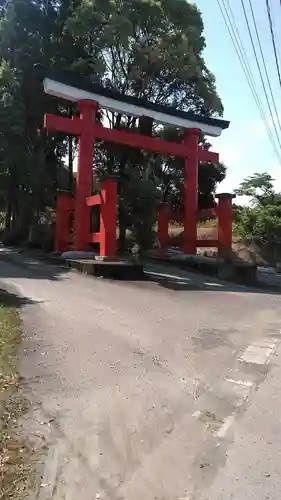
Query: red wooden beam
(208, 156)
(91, 201)
(95, 238)
(108, 216)
(73, 126)
(191, 164)
(151, 143)
(64, 207)
(61, 124)
(225, 219)
(140, 141)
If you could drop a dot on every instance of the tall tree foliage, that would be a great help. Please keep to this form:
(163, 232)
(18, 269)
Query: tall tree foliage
(30, 34)
(261, 220)
(146, 48)
(152, 50)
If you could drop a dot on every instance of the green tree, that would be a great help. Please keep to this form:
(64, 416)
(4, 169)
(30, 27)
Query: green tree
(261, 221)
(152, 50)
(12, 140)
(259, 188)
(145, 48)
(31, 33)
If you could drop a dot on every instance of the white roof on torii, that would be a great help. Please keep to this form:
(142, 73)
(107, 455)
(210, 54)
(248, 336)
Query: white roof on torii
(73, 88)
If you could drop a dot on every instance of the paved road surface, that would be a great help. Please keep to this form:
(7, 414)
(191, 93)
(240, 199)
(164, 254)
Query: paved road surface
(161, 390)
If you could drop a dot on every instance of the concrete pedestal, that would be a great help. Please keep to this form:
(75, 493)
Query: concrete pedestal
(118, 270)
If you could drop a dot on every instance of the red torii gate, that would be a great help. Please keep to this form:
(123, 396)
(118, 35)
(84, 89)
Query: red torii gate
(88, 131)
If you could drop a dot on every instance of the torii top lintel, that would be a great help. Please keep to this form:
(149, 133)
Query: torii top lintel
(85, 124)
(72, 88)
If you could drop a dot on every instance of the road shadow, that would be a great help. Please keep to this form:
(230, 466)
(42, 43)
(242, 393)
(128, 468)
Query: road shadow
(32, 265)
(16, 263)
(12, 300)
(183, 284)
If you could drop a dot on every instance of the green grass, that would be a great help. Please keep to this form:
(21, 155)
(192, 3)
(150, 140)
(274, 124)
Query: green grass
(15, 456)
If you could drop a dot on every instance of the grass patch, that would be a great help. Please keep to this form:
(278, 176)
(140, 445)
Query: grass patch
(15, 462)
(208, 223)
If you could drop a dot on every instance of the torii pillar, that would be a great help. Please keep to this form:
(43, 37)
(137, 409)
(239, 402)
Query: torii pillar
(84, 128)
(84, 176)
(191, 162)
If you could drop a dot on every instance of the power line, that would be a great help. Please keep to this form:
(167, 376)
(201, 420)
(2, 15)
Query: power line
(260, 71)
(264, 63)
(242, 56)
(276, 37)
(235, 37)
(247, 68)
(270, 20)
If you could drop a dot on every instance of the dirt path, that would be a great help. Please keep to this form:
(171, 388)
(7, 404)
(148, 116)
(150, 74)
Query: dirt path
(135, 385)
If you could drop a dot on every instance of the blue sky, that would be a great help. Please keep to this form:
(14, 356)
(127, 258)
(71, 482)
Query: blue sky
(245, 147)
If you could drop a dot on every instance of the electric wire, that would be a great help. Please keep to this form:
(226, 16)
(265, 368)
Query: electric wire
(271, 26)
(247, 69)
(243, 56)
(235, 37)
(274, 31)
(259, 70)
(264, 63)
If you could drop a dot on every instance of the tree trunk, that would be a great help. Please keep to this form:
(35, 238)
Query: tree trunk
(14, 215)
(37, 213)
(8, 216)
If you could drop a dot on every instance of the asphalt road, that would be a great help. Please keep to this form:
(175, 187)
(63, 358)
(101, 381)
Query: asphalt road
(161, 390)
